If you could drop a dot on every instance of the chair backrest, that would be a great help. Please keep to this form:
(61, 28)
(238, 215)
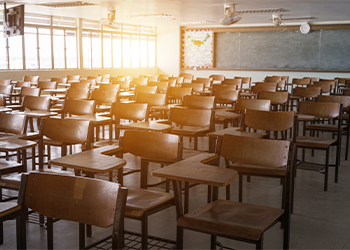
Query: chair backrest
(279, 97)
(225, 95)
(78, 107)
(36, 102)
(307, 92)
(109, 88)
(139, 81)
(178, 80)
(2, 101)
(235, 81)
(79, 85)
(191, 117)
(325, 86)
(345, 100)
(188, 77)
(151, 99)
(269, 120)
(22, 84)
(273, 78)
(160, 147)
(73, 78)
(74, 198)
(153, 78)
(252, 151)
(217, 77)
(301, 82)
(123, 85)
(98, 79)
(59, 80)
(312, 79)
(281, 84)
(105, 77)
(129, 111)
(245, 79)
(346, 92)
(6, 89)
(208, 82)
(326, 110)
(255, 104)
(196, 87)
(12, 123)
(178, 93)
(5, 82)
(67, 131)
(91, 81)
(146, 89)
(267, 86)
(33, 79)
(342, 80)
(198, 102)
(30, 91)
(47, 85)
(77, 94)
(101, 96)
(163, 77)
(162, 86)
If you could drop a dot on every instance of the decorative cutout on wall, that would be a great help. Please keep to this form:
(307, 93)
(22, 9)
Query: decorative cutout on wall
(197, 48)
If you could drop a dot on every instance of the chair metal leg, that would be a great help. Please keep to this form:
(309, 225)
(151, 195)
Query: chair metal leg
(81, 236)
(259, 243)
(240, 198)
(213, 242)
(49, 233)
(144, 232)
(179, 238)
(326, 170)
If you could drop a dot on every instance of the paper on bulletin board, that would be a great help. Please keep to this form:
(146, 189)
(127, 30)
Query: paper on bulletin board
(197, 48)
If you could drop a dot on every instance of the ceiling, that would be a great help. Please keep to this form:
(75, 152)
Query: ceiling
(333, 11)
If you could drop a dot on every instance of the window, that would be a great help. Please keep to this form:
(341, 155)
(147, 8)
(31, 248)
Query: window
(3, 60)
(143, 51)
(45, 48)
(135, 49)
(151, 51)
(107, 50)
(117, 51)
(58, 49)
(86, 50)
(126, 51)
(31, 44)
(96, 50)
(71, 49)
(15, 52)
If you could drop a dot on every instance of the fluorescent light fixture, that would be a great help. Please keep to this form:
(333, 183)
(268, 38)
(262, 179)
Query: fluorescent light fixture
(195, 22)
(150, 16)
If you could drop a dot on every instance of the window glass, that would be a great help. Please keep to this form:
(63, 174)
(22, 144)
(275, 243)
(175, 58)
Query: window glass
(86, 50)
(151, 51)
(45, 48)
(135, 49)
(30, 41)
(58, 49)
(15, 52)
(107, 50)
(96, 50)
(143, 51)
(3, 60)
(117, 51)
(71, 49)
(126, 51)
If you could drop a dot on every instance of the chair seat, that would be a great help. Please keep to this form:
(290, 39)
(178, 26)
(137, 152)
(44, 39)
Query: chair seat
(11, 181)
(7, 208)
(314, 142)
(259, 170)
(231, 219)
(141, 201)
(324, 127)
(7, 167)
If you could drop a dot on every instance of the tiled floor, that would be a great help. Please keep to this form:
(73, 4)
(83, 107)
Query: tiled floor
(321, 220)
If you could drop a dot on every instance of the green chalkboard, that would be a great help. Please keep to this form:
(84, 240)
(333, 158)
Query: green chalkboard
(289, 50)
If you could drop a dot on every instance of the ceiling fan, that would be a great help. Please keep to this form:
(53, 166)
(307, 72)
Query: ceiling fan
(231, 15)
(109, 21)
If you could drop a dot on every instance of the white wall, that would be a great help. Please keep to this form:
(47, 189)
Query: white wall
(168, 49)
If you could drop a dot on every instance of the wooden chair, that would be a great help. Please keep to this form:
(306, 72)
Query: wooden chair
(5, 82)
(321, 111)
(74, 199)
(92, 82)
(301, 82)
(196, 87)
(199, 102)
(22, 93)
(236, 220)
(178, 81)
(164, 77)
(139, 81)
(77, 94)
(78, 107)
(22, 84)
(327, 87)
(12, 210)
(59, 80)
(153, 78)
(245, 81)
(303, 94)
(46, 85)
(346, 92)
(208, 82)
(162, 87)
(343, 83)
(6, 91)
(273, 78)
(175, 95)
(97, 78)
(146, 89)
(217, 78)
(152, 100)
(33, 79)
(123, 85)
(74, 78)
(225, 96)
(79, 85)
(345, 101)
(62, 133)
(106, 78)
(279, 100)
(188, 77)
(312, 79)
(237, 82)
(255, 104)
(104, 97)
(191, 123)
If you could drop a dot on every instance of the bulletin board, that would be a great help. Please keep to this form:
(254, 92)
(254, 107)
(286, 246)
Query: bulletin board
(197, 49)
